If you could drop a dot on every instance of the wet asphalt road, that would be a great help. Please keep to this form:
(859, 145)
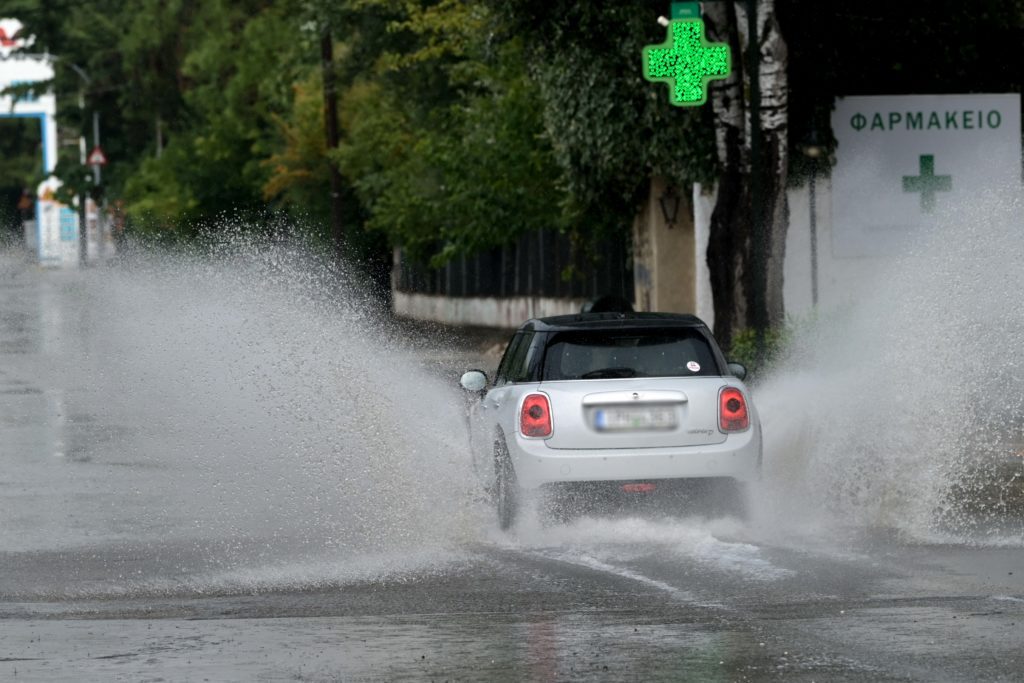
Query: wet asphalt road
(514, 613)
(137, 544)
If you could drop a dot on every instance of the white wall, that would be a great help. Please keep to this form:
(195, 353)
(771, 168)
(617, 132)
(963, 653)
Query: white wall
(840, 280)
(508, 312)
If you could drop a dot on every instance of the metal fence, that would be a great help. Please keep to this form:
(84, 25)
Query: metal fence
(542, 263)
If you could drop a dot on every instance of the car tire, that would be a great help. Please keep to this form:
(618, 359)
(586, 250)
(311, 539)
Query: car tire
(506, 487)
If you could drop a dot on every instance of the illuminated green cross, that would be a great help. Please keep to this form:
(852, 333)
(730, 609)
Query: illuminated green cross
(686, 62)
(927, 183)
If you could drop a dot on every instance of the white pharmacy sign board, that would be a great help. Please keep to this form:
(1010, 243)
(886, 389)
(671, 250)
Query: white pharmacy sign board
(902, 161)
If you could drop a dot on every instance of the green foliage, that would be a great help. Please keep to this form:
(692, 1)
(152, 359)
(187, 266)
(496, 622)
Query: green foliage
(459, 134)
(612, 129)
(20, 158)
(470, 170)
(77, 181)
(465, 122)
(239, 69)
(297, 175)
(21, 167)
(758, 355)
(155, 195)
(211, 74)
(794, 338)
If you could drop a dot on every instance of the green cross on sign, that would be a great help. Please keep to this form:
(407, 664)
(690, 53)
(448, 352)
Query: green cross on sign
(687, 62)
(927, 183)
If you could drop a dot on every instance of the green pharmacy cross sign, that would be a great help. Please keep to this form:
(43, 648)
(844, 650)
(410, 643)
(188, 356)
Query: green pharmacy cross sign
(687, 62)
(927, 183)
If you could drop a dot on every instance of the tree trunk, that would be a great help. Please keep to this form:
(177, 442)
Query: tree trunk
(747, 237)
(775, 158)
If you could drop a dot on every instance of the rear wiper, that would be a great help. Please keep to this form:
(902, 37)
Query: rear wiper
(609, 373)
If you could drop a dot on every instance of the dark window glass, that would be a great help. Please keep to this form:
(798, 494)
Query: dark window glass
(506, 360)
(629, 353)
(518, 366)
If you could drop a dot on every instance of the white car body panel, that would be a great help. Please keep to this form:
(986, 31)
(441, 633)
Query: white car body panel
(737, 457)
(625, 456)
(696, 449)
(619, 429)
(576, 403)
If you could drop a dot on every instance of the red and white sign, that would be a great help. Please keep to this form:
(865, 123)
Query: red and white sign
(10, 40)
(97, 157)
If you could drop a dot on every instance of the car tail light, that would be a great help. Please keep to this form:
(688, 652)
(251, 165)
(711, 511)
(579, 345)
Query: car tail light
(732, 410)
(535, 418)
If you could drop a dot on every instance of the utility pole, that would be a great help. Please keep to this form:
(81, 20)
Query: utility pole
(96, 176)
(337, 230)
(83, 195)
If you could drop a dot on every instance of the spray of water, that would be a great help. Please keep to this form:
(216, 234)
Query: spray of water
(247, 419)
(254, 424)
(902, 410)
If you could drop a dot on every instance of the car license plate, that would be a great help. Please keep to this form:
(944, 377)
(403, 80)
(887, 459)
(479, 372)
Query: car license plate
(634, 419)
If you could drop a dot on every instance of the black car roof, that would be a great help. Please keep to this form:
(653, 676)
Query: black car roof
(611, 321)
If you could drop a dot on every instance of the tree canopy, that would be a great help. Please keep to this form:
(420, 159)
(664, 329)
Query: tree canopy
(463, 123)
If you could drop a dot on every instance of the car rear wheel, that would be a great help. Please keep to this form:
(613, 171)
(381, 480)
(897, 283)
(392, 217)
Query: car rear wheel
(506, 488)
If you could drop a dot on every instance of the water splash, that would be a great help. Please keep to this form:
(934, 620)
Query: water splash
(239, 408)
(901, 410)
(708, 543)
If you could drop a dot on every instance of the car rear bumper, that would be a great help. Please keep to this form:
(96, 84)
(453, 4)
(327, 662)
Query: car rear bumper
(738, 457)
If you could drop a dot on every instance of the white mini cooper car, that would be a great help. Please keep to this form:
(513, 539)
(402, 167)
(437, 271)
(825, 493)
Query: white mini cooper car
(622, 404)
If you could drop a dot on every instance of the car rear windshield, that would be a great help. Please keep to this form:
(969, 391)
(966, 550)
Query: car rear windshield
(629, 353)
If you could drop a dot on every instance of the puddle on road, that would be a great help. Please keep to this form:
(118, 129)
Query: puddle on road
(588, 646)
(231, 423)
(617, 544)
(255, 426)
(247, 418)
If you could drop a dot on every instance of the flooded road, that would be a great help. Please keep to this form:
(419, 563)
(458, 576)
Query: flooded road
(615, 611)
(213, 471)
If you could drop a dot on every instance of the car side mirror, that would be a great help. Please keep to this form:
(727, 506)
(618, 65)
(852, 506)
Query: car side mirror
(474, 380)
(738, 370)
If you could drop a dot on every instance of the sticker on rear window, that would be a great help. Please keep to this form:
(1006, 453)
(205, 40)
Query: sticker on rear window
(693, 366)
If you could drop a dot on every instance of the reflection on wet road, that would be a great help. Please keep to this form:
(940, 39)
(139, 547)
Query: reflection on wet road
(206, 480)
(507, 612)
